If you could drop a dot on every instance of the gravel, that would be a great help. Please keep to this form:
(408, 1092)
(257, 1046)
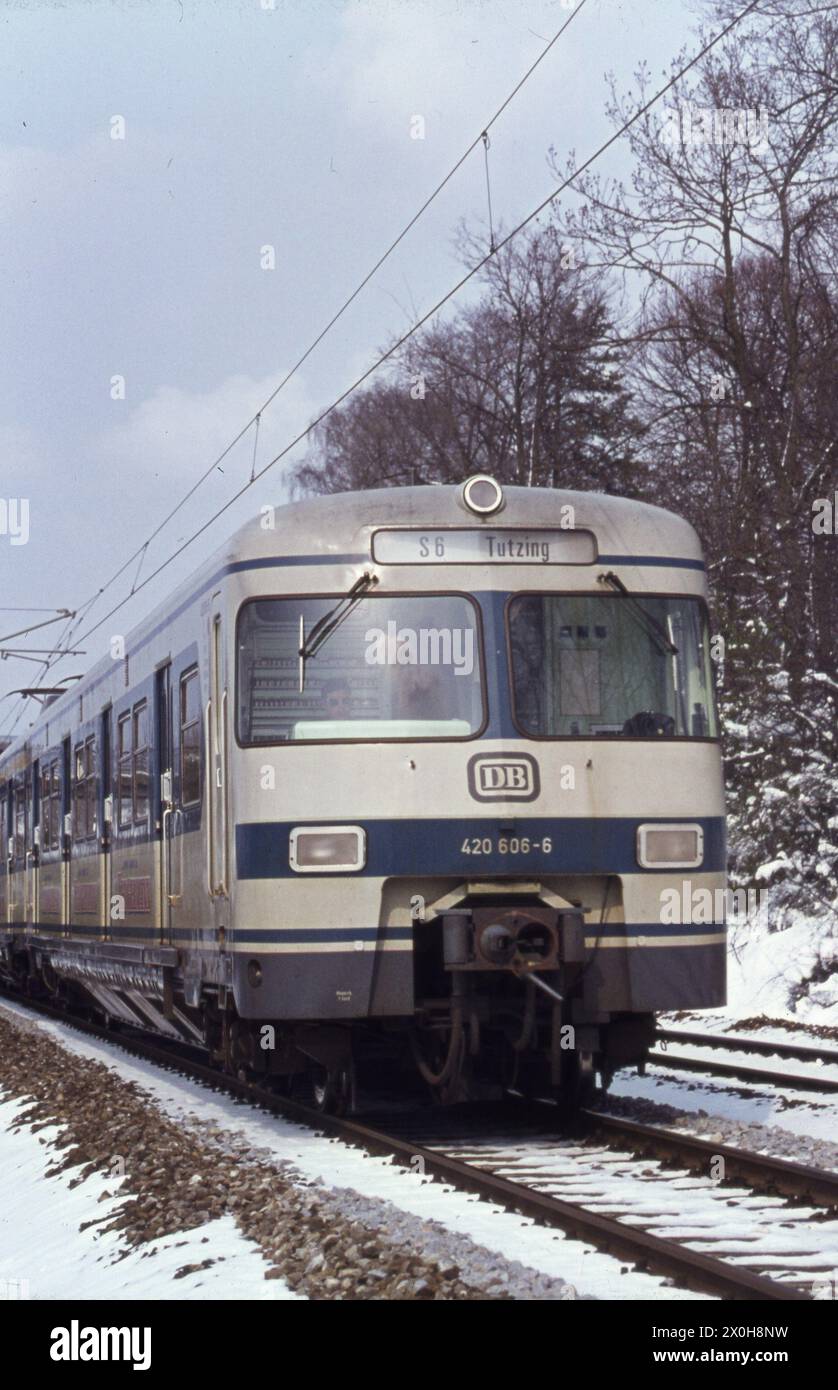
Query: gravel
(771, 1140)
(326, 1243)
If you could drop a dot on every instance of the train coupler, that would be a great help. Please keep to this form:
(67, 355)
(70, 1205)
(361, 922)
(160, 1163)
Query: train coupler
(517, 939)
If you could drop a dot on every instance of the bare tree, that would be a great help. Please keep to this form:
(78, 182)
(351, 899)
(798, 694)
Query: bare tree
(525, 384)
(725, 242)
(727, 233)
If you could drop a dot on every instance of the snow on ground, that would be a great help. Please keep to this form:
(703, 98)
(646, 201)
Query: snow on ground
(45, 1255)
(803, 1112)
(767, 969)
(768, 972)
(335, 1163)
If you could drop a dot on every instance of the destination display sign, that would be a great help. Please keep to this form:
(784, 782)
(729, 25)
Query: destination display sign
(484, 545)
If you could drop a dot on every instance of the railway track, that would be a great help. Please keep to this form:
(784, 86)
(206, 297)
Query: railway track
(805, 1081)
(525, 1179)
(767, 1237)
(760, 1171)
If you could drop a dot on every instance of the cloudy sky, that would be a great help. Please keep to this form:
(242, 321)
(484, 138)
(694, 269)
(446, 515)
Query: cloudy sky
(245, 126)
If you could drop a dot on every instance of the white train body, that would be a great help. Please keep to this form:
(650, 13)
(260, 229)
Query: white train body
(512, 731)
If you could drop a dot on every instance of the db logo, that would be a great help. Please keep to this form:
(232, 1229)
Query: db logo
(502, 778)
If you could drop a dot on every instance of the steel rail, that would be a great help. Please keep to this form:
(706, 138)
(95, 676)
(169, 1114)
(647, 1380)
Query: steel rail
(797, 1052)
(816, 1185)
(792, 1081)
(650, 1253)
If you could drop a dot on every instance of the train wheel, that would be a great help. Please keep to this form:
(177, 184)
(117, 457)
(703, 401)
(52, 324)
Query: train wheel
(332, 1091)
(440, 1054)
(578, 1083)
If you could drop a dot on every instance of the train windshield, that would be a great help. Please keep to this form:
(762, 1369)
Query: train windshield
(592, 665)
(393, 668)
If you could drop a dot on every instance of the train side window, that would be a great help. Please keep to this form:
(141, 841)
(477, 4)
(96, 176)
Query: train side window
(46, 807)
(36, 801)
(52, 806)
(79, 794)
(90, 758)
(84, 790)
(141, 762)
(55, 814)
(20, 821)
(190, 738)
(125, 749)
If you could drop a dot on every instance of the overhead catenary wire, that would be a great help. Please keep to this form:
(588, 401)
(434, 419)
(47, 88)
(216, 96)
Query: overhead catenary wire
(33, 627)
(12, 654)
(536, 212)
(486, 143)
(255, 447)
(34, 653)
(255, 418)
(143, 550)
(61, 651)
(62, 648)
(464, 280)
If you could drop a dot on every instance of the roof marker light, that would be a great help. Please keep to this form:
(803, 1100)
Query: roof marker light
(482, 494)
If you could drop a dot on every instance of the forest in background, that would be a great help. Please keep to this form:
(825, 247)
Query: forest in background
(675, 339)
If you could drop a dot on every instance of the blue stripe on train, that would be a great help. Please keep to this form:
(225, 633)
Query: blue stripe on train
(345, 936)
(670, 562)
(434, 847)
(250, 936)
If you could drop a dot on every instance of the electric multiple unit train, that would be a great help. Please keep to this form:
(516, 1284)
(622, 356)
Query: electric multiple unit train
(407, 774)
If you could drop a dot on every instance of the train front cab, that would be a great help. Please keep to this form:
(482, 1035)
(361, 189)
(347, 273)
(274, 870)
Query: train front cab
(501, 866)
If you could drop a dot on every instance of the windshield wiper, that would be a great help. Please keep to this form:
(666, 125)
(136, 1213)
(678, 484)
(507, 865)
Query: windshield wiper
(649, 623)
(325, 626)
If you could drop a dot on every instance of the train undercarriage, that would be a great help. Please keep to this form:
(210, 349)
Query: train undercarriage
(500, 1006)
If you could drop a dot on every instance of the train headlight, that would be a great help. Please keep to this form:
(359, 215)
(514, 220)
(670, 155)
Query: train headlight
(327, 849)
(670, 846)
(482, 494)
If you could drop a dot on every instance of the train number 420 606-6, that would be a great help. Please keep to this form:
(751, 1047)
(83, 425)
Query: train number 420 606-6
(514, 844)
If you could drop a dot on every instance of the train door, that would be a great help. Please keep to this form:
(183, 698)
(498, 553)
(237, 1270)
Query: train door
(17, 864)
(49, 844)
(33, 852)
(187, 826)
(8, 822)
(106, 817)
(164, 806)
(217, 759)
(4, 856)
(66, 830)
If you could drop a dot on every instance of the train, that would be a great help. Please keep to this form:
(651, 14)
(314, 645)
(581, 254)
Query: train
(404, 780)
